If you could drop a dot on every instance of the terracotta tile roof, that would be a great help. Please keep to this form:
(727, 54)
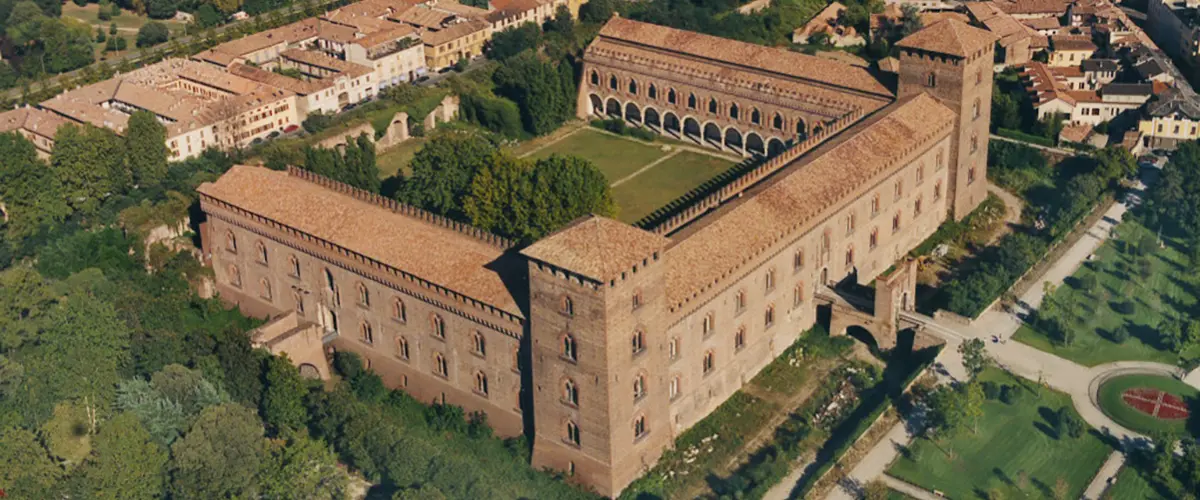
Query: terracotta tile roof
(597, 247)
(335, 32)
(801, 196)
(1058, 7)
(1075, 133)
(949, 37)
(394, 33)
(1072, 43)
(1043, 23)
(1044, 85)
(274, 79)
(33, 120)
(746, 55)
(454, 32)
(438, 254)
(291, 33)
(822, 21)
(423, 17)
(319, 59)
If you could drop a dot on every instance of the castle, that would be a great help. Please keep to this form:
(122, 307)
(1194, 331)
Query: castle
(605, 340)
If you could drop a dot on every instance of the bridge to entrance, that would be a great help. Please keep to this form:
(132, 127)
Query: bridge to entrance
(892, 311)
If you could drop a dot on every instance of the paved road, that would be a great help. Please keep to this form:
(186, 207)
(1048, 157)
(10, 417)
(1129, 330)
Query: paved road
(1105, 477)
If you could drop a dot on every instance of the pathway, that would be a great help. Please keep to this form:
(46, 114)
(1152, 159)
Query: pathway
(645, 168)
(1061, 151)
(1105, 477)
(1013, 206)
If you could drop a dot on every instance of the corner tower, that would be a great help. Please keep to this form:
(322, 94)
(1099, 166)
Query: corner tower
(952, 62)
(597, 334)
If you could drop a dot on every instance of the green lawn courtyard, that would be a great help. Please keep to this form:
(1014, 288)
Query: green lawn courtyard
(1015, 452)
(1130, 485)
(1112, 396)
(645, 177)
(1158, 283)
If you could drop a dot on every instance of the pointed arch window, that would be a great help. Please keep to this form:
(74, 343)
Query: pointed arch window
(975, 109)
(769, 316)
(481, 383)
(633, 86)
(235, 276)
(671, 96)
(931, 80)
(769, 280)
(734, 112)
(402, 351)
(739, 338)
(440, 366)
(568, 306)
(691, 103)
(739, 301)
(974, 142)
(849, 256)
(798, 294)
(708, 362)
(364, 295)
(478, 344)
(293, 266)
(798, 260)
(920, 173)
(570, 393)
(896, 222)
(639, 426)
(898, 189)
(230, 242)
(755, 117)
(874, 238)
(439, 326)
(673, 390)
(777, 122)
(399, 310)
(265, 288)
(638, 342)
(612, 82)
(712, 105)
(875, 205)
(595, 77)
(572, 435)
(366, 333)
(652, 92)
(937, 191)
(707, 325)
(260, 251)
(639, 387)
(673, 348)
(917, 207)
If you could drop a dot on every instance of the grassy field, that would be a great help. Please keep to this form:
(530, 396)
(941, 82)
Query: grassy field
(668, 180)
(1112, 404)
(1164, 289)
(1131, 485)
(397, 158)
(617, 157)
(127, 23)
(1014, 454)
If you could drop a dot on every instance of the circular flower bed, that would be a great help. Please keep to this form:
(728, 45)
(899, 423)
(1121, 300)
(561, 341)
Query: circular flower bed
(1150, 403)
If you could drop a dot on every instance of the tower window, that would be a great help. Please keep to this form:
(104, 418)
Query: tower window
(402, 351)
(595, 78)
(739, 338)
(633, 88)
(896, 222)
(570, 393)
(481, 383)
(931, 80)
(798, 260)
(639, 387)
(638, 342)
(937, 191)
(235, 276)
(294, 265)
(975, 109)
(708, 363)
(612, 82)
(850, 223)
(364, 296)
(733, 111)
(755, 117)
(712, 106)
(567, 306)
(230, 242)
(673, 389)
(261, 252)
(572, 436)
(798, 294)
(568, 348)
(671, 96)
(874, 205)
(439, 327)
(917, 207)
(849, 257)
(637, 299)
(739, 301)
(769, 316)
(265, 291)
(440, 367)
(639, 426)
(673, 348)
(366, 333)
(770, 280)
(652, 92)
(691, 104)
(777, 122)
(706, 326)
(399, 311)
(899, 189)
(874, 241)
(478, 344)
(299, 299)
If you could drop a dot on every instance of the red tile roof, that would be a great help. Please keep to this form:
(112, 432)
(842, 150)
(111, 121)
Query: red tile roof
(950, 37)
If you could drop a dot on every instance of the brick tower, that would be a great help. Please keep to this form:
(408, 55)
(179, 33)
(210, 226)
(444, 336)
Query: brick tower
(597, 337)
(952, 62)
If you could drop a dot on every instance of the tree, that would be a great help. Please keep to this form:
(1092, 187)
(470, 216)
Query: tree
(540, 90)
(30, 193)
(1067, 424)
(1114, 163)
(283, 396)
(564, 189)
(975, 357)
(972, 400)
(597, 12)
(876, 490)
(160, 9)
(1120, 334)
(89, 164)
(220, 456)
(26, 470)
(561, 23)
(442, 171)
(499, 199)
(302, 469)
(146, 149)
(126, 463)
(25, 298)
(208, 17)
(1006, 111)
(152, 33)
(912, 22)
(514, 40)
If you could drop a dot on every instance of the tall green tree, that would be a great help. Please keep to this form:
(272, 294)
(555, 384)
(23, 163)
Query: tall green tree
(89, 164)
(26, 470)
(283, 396)
(302, 469)
(514, 40)
(146, 149)
(538, 88)
(220, 456)
(499, 199)
(442, 171)
(566, 188)
(30, 194)
(974, 356)
(126, 463)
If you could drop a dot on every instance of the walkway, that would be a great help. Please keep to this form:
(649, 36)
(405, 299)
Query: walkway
(1061, 151)
(1105, 477)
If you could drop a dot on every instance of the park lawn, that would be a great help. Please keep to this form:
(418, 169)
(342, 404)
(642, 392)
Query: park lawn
(397, 159)
(1130, 485)
(1014, 451)
(128, 23)
(1167, 292)
(615, 156)
(674, 177)
(1111, 403)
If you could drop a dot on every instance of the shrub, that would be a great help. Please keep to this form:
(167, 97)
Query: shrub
(1126, 307)
(461, 65)
(105, 13)
(1010, 394)
(493, 113)
(347, 364)
(643, 134)
(991, 390)
(152, 33)
(1120, 334)
(1067, 424)
(317, 122)
(122, 43)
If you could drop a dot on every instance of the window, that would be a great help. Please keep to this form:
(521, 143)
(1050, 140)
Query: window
(777, 122)
(260, 251)
(874, 240)
(978, 76)
(399, 311)
(975, 109)
(739, 338)
(917, 207)
(439, 326)
(235, 276)
(567, 306)
(673, 348)
(570, 393)
(798, 260)
(898, 190)
(478, 344)
(755, 117)
(440, 367)
(691, 103)
(673, 388)
(920, 173)
(798, 294)
(230, 242)
(733, 111)
(652, 92)
(941, 160)
(516, 359)
(612, 82)
(639, 387)
(331, 288)
(974, 142)
(931, 80)
(595, 78)
(769, 315)
(633, 86)
(572, 436)
(639, 426)
(481, 384)
(937, 191)
(849, 256)
(874, 205)
(706, 326)
(294, 266)
(739, 301)
(637, 299)
(299, 300)
(712, 105)
(366, 333)
(568, 348)
(971, 175)
(708, 363)
(402, 351)
(850, 223)
(364, 296)
(770, 280)
(638, 342)
(671, 96)
(896, 222)
(264, 288)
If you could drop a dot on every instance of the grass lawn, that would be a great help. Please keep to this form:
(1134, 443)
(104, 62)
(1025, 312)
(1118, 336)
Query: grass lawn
(667, 181)
(616, 157)
(1167, 291)
(1113, 405)
(1014, 452)
(127, 23)
(1131, 485)
(397, 158)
